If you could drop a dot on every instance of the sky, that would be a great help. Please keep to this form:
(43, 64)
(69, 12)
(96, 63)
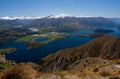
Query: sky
(107, 8)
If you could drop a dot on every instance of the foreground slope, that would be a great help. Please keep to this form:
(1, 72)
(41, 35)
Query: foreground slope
(97, 59)
(106, 47)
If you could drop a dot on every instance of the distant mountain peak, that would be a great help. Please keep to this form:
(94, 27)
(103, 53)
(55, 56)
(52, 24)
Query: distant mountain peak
(40, 17)
(58, 16)
(61, 16)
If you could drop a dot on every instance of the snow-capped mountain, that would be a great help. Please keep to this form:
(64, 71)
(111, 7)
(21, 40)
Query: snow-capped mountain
(18, 17)
(38, 17)
(56, 21)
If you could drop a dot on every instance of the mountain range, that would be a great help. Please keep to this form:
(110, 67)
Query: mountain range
(71, 22)
(60, 22)
(38, 17)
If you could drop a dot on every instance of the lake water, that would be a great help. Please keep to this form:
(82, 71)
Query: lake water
(24, 55)
(34, 55)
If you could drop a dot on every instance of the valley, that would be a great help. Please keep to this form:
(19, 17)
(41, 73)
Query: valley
(58, 48)
(59, 39)
(48, 38)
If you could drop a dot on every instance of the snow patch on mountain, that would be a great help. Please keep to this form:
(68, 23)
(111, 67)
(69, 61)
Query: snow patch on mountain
(60, 16)
(16, 17)
(38, 17)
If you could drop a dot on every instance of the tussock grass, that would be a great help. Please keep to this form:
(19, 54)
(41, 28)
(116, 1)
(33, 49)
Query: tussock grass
(105, 73)
(20, 71)
(4, 66)
(62, 74)
(115, 77)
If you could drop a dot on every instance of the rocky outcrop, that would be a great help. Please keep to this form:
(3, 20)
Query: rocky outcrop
(106, 47)
(80, 65)
(76, 77)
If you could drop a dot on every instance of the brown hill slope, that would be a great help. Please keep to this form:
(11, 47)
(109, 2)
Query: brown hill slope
(106, 47)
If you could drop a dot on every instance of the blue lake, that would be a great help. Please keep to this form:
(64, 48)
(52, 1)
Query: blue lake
(24, 55)
(34, 55)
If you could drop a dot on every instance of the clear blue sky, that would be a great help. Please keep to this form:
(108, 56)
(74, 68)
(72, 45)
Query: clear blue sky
(109, 8)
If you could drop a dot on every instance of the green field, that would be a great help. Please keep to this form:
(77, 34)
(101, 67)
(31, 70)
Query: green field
(27, 38)
(55, 37)
(50, 37)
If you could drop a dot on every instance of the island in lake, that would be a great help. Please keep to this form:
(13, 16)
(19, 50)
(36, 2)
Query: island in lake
(52, 36)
